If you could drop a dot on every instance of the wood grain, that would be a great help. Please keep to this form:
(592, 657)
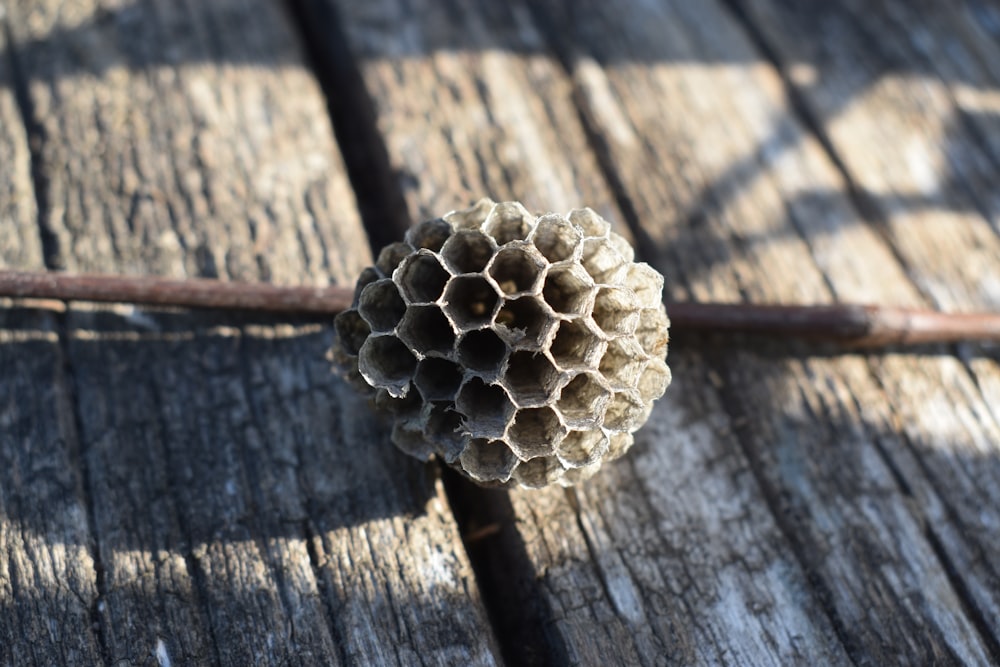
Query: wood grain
(729, 170)
(224, 468)
(671, 555)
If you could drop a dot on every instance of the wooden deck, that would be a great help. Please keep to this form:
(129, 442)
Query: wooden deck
(180, 488)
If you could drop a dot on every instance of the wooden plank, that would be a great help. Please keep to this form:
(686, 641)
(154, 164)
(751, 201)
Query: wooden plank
(223, 462)
(940, 214)
(726, 170)
(672, 554)
(48, 584)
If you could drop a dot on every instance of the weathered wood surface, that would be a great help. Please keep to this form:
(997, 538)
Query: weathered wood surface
(184, 488)
(775, 510)
(197, 488)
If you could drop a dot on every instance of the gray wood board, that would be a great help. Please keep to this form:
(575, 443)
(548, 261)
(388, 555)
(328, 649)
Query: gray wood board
(672, 554)
(245, 505)
(879, 513)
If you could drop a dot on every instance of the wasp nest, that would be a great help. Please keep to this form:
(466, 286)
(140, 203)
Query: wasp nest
(519, 349)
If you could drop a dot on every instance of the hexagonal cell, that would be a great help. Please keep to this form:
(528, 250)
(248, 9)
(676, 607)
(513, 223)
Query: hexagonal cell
(385, 362)
(583, 400)
(468, 251)
(581, 448)
(621, 244)
(624, 412)
(576, 345)
(472, 217)
(431, 234)
(391, 256)
(488, 461)
(556, 237)
(653, 332)
(470, 301)
(615, 311)
(620, 443)
(574, 476)
(588, 220)
(381, 305)
(647, 284)
(406, 408)
(482, 351)
(654, 380)
(352, 331)
(535, 432)
(486, 407)
(367, 277)
(538, 472)
(525, 322)
(531, 378)
(516, 269)
(437, 379)
(421, 277)
(445, 430)
(602, 261)
(410, 439)
(568, 289)
(623, 362)
(509, 221)
(426, 330)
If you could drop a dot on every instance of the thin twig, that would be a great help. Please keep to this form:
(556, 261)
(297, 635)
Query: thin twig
(852, 324)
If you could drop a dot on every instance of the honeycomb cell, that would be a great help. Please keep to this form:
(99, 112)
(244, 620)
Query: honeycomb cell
(390, 257)
(652, 332)
(654, 381)
(602, 261)
(531, 378)
(426, 330)
(352, 331)
(581, 448)
(367, 277)
(623, 412)
(568, 289)
(622, 363)
(488, 461)
(582, 402)
(430, 235)
(472, 217)
(409, 437)
(589, 222)
(538, 472)
(576, 345)
(421, 277)
(525, 322)
(620, 443)
(381, 306)
(445, 427)
(437, 379)
(487, 408)
(405, 408)
(556, 237)
(575, 476)
(646, 283)
(622, 246)
(509, 221)
(535, 432)
(470, 301)
(482, 351)
(385, 362)
(517, 269)
(615, 311)
(468, 251)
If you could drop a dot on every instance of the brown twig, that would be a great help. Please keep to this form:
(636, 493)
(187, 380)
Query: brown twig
(851, 324)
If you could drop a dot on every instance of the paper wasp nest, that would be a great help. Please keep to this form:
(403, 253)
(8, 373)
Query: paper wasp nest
(519, 349)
